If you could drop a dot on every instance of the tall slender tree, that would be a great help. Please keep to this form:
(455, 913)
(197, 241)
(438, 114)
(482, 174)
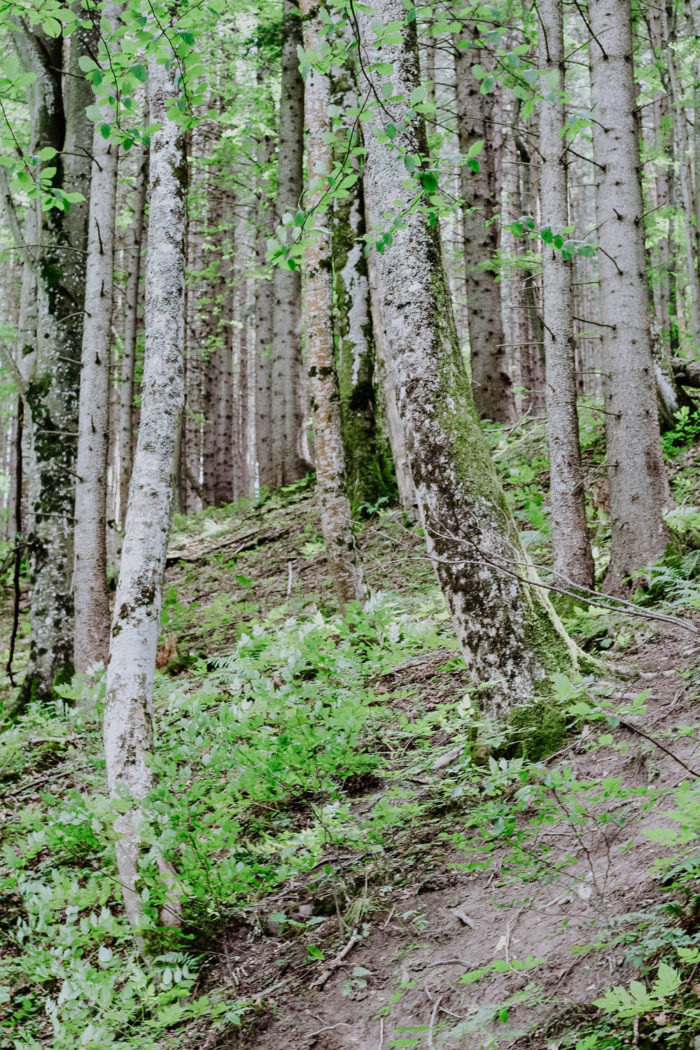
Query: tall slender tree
(336, 519)
(91, 639)
(287, 403)
(639, 490)
(573, 561)
(128, 717)
(132, 265)
(492, 386)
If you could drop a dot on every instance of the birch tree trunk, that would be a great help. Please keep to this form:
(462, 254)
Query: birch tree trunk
(131, 304)
(573, 561)
(58, 117)
(492, 386)
(336, 519)
(509, 633)
(128, 719)
(90, 594)
(639, 490)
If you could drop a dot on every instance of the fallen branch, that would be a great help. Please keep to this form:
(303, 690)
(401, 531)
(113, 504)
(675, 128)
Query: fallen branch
(333, 966)
(255, 537)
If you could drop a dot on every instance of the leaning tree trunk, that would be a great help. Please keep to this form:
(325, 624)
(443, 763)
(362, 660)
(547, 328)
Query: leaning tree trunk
(287, 412)
(507, 628)
(57, 108)
(128, 720)
(639, 490)
(491, 384)
(90, 594)
(336, 519)
(573, 561)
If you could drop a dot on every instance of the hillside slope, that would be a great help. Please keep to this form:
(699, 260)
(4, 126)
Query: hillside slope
(364, 862)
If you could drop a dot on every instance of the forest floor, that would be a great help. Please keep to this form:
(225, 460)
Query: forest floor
(365, 861)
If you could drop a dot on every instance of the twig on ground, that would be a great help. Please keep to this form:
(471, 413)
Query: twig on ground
(657, 743)
(333, 966)
(329, 1028)
(433, 1015)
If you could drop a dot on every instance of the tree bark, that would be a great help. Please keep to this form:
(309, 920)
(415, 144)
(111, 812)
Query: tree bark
(57, 107)
(265, 227)
(128, 720)
(399, 453)
(573, 561)
(365, 465)
(509, 633)
(639, 490)
(336, 519)
(287, 412)
(491, 384)
(131, 310)
(91, 597)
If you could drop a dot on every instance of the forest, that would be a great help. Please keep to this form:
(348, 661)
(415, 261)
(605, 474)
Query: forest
(349, 524)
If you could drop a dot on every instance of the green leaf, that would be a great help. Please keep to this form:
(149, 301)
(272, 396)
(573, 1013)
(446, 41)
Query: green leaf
(52, 27)
(87, 64)
(667, 981)
(429, 181)
(385, 69)
(105, 130)
(47, 153)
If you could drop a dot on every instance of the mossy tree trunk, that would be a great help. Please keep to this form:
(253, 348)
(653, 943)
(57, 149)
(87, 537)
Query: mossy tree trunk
(367, 470)
(57, 109)
(509, 633)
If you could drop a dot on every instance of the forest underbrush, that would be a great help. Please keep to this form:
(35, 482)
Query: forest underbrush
(363, 860)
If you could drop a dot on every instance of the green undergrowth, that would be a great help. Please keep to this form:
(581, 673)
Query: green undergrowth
(261, 756)
(347, 756)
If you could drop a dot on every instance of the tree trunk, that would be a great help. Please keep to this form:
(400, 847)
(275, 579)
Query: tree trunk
(492, 386)
(680, 136)
(287, 413)
(399, 453)
(365, 465)
(128, 721)
(336, 518)
(573, 561)
(91, 597)
(131, 308)
(507, 628)
(265, 227)
(639, 490)
(58, 120)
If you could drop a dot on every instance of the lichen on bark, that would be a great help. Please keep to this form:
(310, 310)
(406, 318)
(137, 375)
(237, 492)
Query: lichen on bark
(508, 630)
